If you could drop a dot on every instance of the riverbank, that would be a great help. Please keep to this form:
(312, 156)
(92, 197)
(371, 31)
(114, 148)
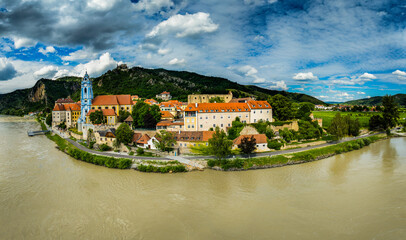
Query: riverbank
(110, 162)
(242, 164)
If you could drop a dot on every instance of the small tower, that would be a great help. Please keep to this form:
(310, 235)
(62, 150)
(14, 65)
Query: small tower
(86, 97)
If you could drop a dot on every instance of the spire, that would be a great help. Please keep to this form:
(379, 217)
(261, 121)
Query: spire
(86, 75)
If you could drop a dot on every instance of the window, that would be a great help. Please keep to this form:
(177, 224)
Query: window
(267, 111)
(228, 116)
(260, 111)
(201, 125)
(214, 125)
(221, 125)
(214, 117)
(201, 117)
(254, 112)
(221, 117)
(187, 120)
(207, 117)
(255, 120)
(229, 125)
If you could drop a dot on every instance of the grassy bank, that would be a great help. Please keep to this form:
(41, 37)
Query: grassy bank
(293, 158)
(65, 146)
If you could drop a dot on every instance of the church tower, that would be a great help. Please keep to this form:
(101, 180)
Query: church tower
(86, 97)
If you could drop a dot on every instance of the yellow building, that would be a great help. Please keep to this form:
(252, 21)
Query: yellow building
(205, 98)
(108, 114)
(115, 102)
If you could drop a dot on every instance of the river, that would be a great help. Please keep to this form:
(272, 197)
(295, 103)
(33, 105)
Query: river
(45, 194)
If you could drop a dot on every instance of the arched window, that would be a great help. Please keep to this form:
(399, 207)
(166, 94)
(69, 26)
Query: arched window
(85, 90)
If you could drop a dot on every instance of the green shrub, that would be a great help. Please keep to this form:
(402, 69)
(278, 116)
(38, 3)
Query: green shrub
(131, 153)
(356, 146)
(111, 163)
(211, 162)
(367, 141)
(275, 144)
(124, 163)
(166, 169)
(140, 151)
(105, 147)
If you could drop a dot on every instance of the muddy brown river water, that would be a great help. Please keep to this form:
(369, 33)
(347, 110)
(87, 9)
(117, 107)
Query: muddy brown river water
(45, 194)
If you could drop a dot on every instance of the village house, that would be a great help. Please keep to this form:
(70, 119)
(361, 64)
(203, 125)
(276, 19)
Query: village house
(261, 142)
(151, 101)
(175, 125)
(205, 116)
(105, 136)
(115, 102)
(109, 115)
(173, 106)
(205, 98)
(164, 96)
(186, 140)
(65, 111)
(165, 115)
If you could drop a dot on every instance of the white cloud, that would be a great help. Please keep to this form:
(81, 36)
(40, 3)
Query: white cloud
(46, 50)
(299, 89)
(46, 72)
(153, 6)
(399, 73)
(96, 67)
(20, 42)
(279, 85)
(248, 71)
(101, 5)
(163, 51)
(360, 92)
(321, 96)
(81, 54)
(184, 25)
(176, 61)
(367, 76)
(305, 76)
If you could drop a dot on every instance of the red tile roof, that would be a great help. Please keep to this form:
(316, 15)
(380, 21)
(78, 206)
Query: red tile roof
(165, 92)
(260, 138)
(259, 104)
(143, 139)
(218, 107)
(106, 112)
(169, 123)
(58, 107)
(67, 107)
(112, 100)
(166, 114)
(136, 136)
(64, 100)
(193, 136)
(151, 101)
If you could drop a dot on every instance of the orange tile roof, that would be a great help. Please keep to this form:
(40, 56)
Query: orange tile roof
(193, 136)
(218, 107)
(259, 104)
(166, 114)
(64, 100)
(151, 101)
(112, 100)
(59, 107)
(169, 123)
(72, 107)
(260, 138)
(136, 136)
(106, 112)
(165, 92)
(143, 139)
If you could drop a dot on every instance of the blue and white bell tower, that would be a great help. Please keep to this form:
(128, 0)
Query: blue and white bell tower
(86, 97)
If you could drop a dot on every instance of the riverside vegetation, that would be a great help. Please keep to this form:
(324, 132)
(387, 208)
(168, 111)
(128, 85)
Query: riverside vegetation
(290, 159)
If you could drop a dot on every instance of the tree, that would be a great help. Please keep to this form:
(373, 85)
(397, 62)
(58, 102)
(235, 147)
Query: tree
(281, 107)
(309, 130)
(304, 111)
(97, 117)
(376, 122)
(145, 116)
(338, 127)
(248, 145)
(124, 134)
(353, 127)
(236, 127)
(219, 145)
(287, 135)
(390, 111)
(123, 115)
(48, 120)
(116, 144)
(62, 125)
(165, 141)
(216, 99)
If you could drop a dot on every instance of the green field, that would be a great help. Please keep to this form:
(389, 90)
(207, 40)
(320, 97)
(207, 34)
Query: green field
(363, 117)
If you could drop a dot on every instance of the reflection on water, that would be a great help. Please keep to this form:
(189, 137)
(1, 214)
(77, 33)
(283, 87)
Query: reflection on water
(45, 194)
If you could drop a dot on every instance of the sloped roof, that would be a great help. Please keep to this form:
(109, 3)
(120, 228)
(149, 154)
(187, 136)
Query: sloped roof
(165, 92)
(218, 107)
(112, 100)
(259, 105)
(260, 138)
(106, 112)
(193, 136)
(151, 101)
(129, 119)
(106, 133)
(166, 114)
(59, 107)
(72, 107)
(170, 123)
(64, 100)
(143, 139)
(136, 136)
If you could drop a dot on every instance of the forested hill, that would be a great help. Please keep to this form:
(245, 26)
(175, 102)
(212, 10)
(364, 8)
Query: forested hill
(148, 82)
(374, 101)
(137, 81)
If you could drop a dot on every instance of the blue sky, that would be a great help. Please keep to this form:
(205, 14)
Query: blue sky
(335, 50)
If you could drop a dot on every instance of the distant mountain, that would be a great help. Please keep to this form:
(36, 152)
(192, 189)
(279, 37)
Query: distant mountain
(333, 102)
(137, 81)
(373, 101)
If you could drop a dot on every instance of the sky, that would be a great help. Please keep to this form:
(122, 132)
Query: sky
(334, 50)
